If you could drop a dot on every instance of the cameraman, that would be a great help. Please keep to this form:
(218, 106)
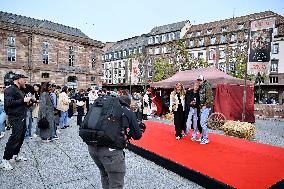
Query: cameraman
(16, 108)
(110, 161)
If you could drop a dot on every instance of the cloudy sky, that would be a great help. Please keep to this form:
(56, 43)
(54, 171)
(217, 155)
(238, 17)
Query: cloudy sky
(113, 20)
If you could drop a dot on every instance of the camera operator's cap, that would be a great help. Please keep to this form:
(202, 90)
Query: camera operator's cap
(200, 78)
(18, 76)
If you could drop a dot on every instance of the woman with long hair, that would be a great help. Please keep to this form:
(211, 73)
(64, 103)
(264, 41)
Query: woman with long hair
(177, 106)
(46, 110)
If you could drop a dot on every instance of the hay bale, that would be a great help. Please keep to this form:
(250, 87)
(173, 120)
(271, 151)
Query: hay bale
(239, 129)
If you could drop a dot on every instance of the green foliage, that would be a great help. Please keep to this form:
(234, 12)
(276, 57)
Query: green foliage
(163, 69)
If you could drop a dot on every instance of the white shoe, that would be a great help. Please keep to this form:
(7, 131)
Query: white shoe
(34, 135)
(5, 165)
(2, 134)
(19, 158)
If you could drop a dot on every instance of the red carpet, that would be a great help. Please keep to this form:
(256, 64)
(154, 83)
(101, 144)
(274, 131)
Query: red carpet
(238, 163)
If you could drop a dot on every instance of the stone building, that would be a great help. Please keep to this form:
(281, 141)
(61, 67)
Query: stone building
(219, 43)
(47, 51)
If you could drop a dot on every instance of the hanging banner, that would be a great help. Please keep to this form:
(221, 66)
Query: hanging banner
(260, 45)
(135, 72)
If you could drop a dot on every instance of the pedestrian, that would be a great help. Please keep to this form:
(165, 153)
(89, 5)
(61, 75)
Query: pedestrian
(63, 106)
(206, 103)
(111, 160)
(15, 105)
(177, 106)
(46, 111)
(192, 106)
(80, 102)
(35, 110)
(2, 113)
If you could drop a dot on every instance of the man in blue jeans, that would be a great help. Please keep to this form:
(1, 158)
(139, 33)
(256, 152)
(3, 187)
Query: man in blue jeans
(206, 102)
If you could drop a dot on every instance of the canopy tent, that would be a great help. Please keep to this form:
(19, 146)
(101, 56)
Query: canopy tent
(188, 77)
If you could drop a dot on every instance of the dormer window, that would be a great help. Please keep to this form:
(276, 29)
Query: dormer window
(233, 37)
(198, 33)
(209, 31)
(224, 29)
(241, 26)
(201, 42)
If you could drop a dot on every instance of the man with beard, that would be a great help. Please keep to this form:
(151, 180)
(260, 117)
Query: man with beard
(16, 104)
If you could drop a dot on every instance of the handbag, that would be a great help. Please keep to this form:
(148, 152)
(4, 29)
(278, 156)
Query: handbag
(43, 123)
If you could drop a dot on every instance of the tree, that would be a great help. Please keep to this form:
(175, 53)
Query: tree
(260, 78)
(163, 69)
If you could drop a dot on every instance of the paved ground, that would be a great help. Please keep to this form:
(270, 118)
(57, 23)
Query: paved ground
(65, 164)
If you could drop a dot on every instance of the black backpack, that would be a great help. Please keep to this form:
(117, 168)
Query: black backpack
(104, 124)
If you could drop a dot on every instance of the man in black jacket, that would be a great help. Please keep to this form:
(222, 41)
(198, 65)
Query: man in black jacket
(16, 108)
(111, 161)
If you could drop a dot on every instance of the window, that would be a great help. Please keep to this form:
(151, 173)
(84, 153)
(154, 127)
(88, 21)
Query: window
(222, 54)
(94, 59)
(233, 37)
(45, 56)
(241, 26)
(191, 55)
(140, 50)
(222, 67)
(198, 33)
(71, 56)
(164, 50)
(150, 40)
(119, 54)
(213, 40)
(234, 52)
(209, 31)
(115, 55)
(11, 41)
(157, 50)
(93, 78)
(200, 55)
(11, 52)
(106, 57)
(273, 79)
(157, 39)
(274, 66)
(189, 35)
(212, 54)
(164, 38)
(223, 39)
(224, 29)
(45, 75)
(45, 45)
(150, 51)
(191, 43)
(130, 51)
(201, 42)
(135, 51)
(171, 36)
(275, 48)
(275, 31)
(109, 56)
(124, 53)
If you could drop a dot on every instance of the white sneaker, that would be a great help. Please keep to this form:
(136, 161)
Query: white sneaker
(34, 135)
(5, 165)
(19, 158)
(2, 134)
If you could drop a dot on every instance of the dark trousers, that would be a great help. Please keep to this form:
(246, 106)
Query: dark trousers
(16, 139)
(179, 121)
(111, 163)
(80, 110)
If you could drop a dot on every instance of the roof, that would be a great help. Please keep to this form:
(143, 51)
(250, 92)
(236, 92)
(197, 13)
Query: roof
(231, 23)
(36, 23)
(136, 41)
(188, 77)
(168, 28)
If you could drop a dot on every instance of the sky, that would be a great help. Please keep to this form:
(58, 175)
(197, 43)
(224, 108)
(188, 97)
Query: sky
(113, 20)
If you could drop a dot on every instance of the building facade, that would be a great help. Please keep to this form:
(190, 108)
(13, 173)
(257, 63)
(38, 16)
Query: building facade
(46, 51)
(120, 63)
(220, 43)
